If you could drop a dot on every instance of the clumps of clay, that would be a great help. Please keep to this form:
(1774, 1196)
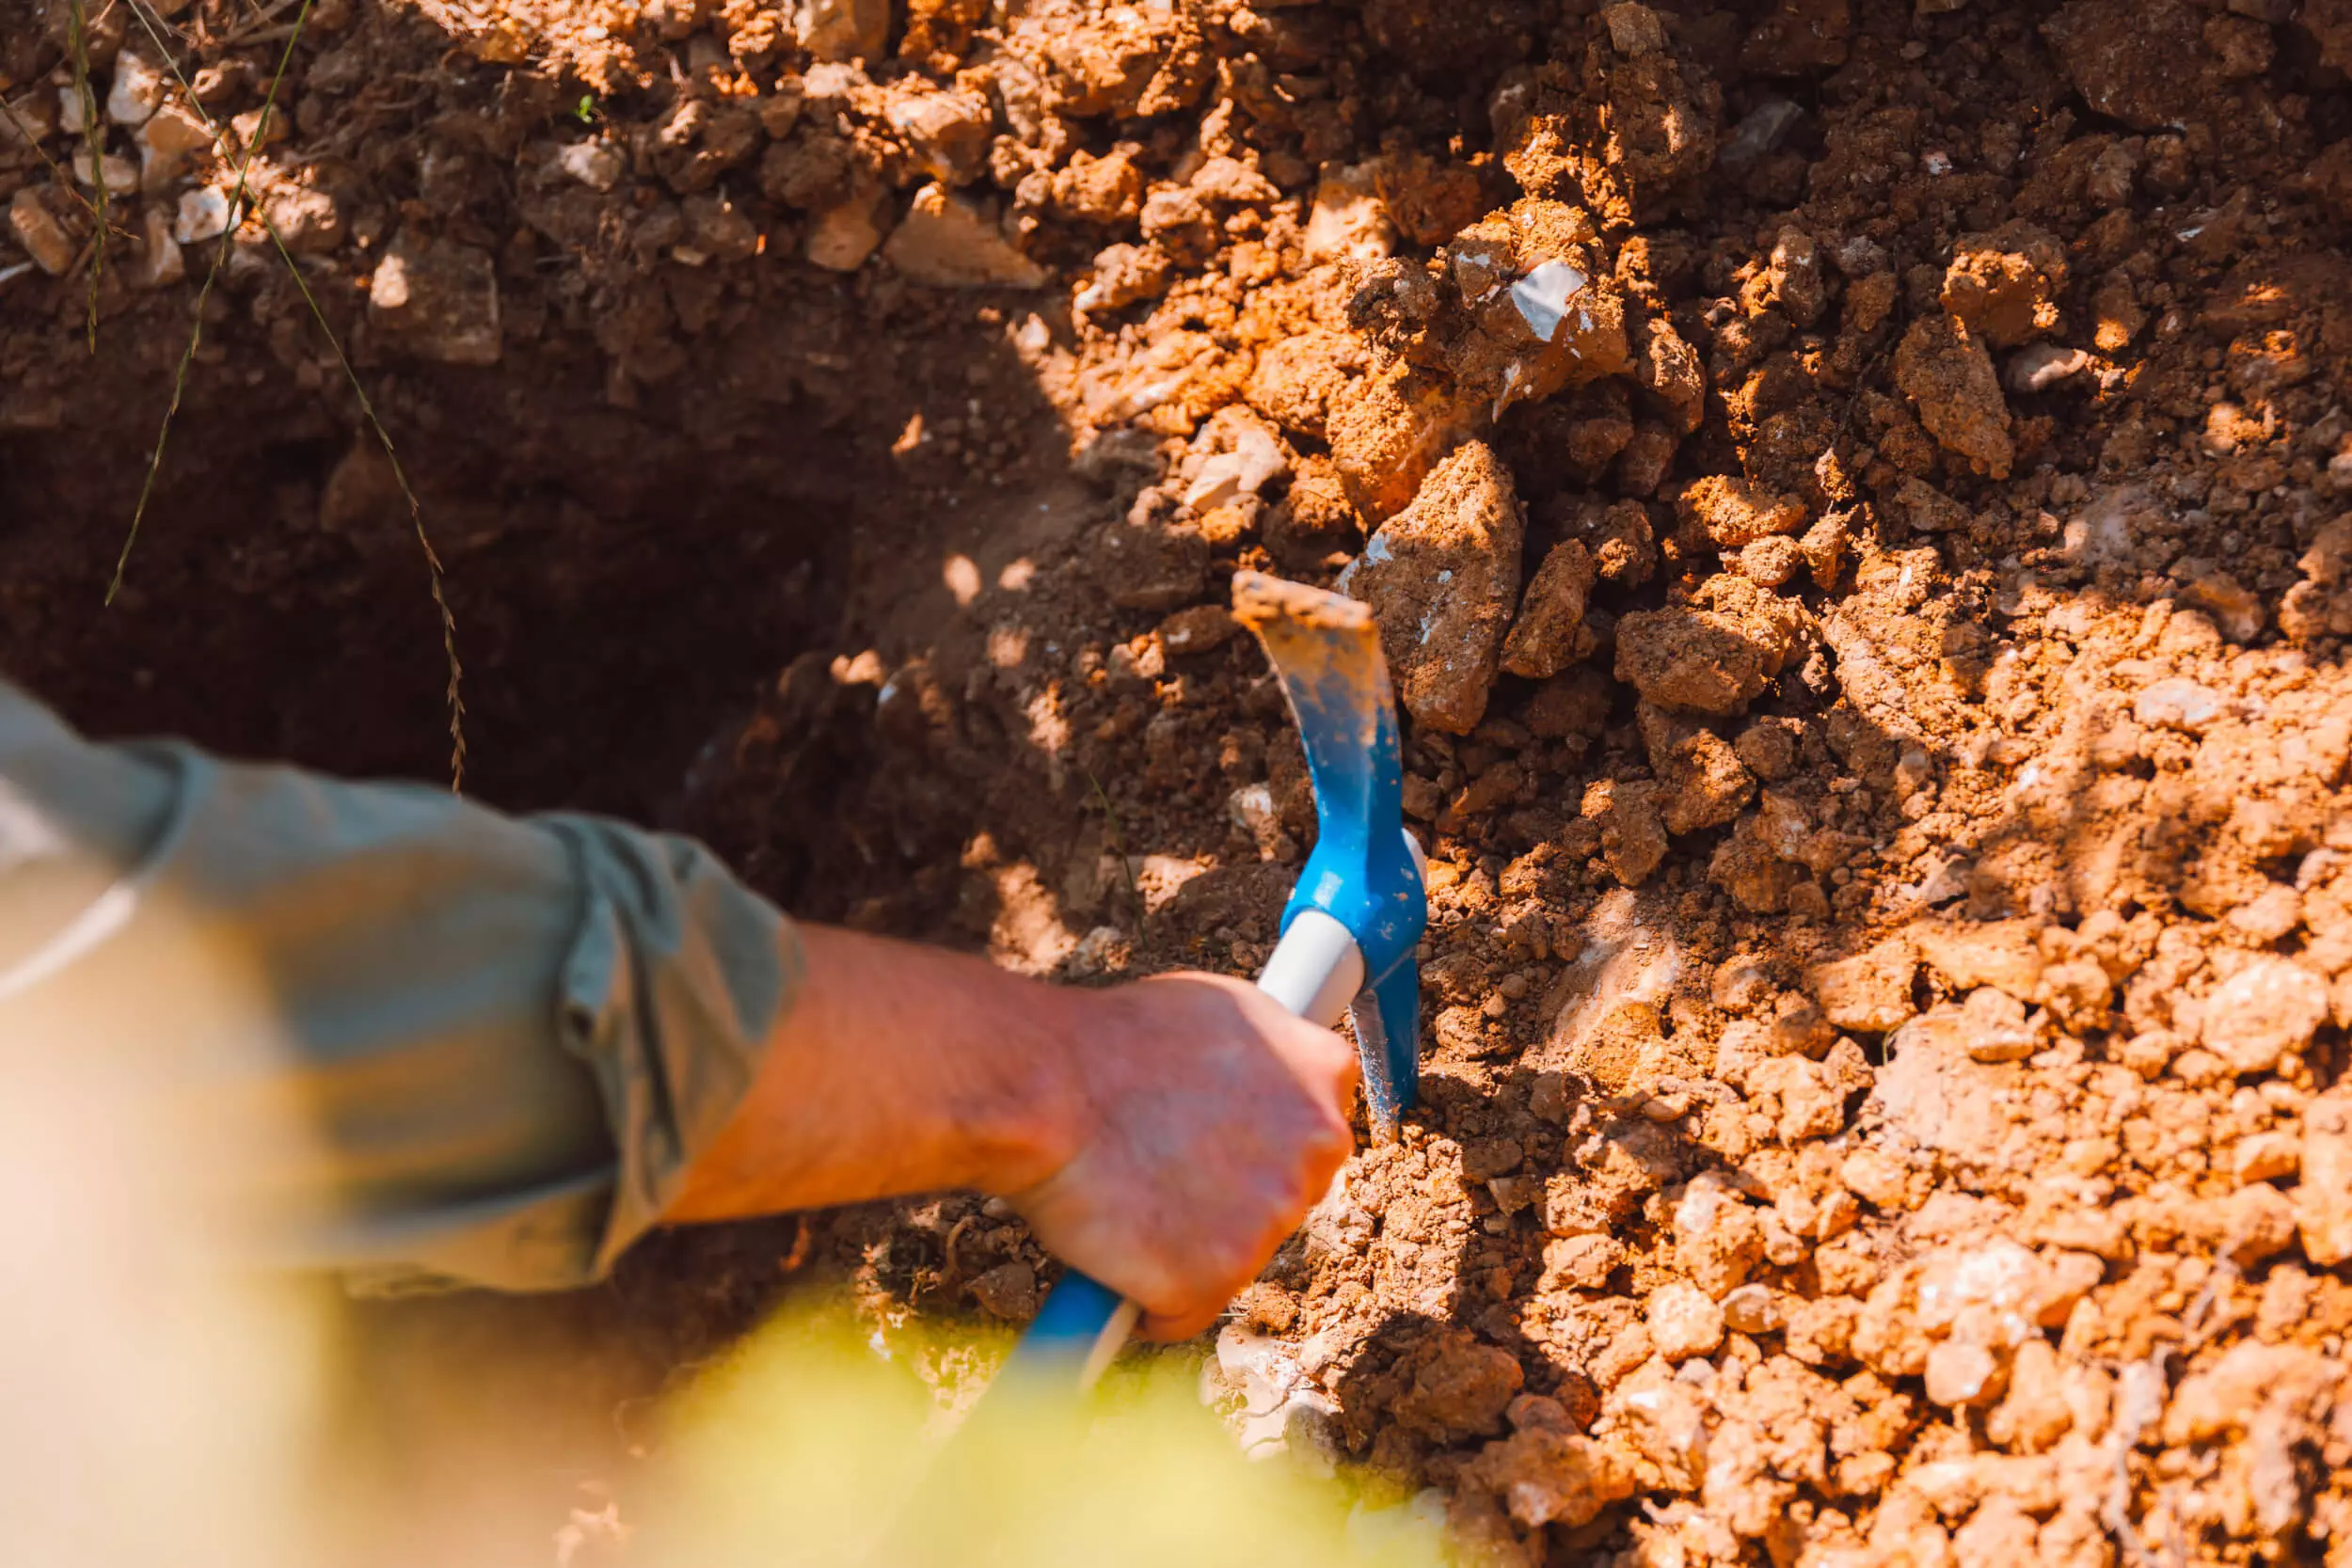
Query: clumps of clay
(1947, 371)
(2004, 285)
(1516, 309)
(1713, 653)
(1623, 117)
(1520, 309)
(1551, 634)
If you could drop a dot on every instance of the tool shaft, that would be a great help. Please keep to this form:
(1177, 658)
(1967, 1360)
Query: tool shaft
(1316, 972)
(1316, 969)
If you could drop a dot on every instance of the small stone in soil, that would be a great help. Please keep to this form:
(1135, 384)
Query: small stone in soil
(38, 231)
(137, 90)
(1197, 630)
(160, 263)
(842, 236)
(168, 143)
(2039, 367)
(595, 163)
(203, 214)
(948, 244)
(2177, 704)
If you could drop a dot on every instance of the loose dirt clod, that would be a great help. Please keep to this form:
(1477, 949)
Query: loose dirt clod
(1441, 577)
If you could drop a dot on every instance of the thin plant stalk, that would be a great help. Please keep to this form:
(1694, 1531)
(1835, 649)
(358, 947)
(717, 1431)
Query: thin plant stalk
(367, 408)
(93, 145)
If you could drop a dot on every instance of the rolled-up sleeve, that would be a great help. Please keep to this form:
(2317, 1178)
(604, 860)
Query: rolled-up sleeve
(505, 1039)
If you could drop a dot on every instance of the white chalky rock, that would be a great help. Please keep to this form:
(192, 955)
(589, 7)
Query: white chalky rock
(2269, 1008)
(1280, 1412)
(1442, 578)
(2177, 704)
(1753, 1309)
(160, 263)
(1097, 952)
(1348, 221)
(1665, 1418)
(2110, 525)
(203, 216)
(1251, 809)
(1982, 1292)
(1542, 296)
(168, 143)
(593, 164)
(1258, 1366)
(120, 174)
(2039, 367)
(1684, 1322)
(1718, 1239)
(947, 243)
(137, 91)
(1255, 462)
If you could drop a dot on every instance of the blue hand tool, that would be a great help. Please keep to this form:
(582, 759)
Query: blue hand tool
(1354, 921)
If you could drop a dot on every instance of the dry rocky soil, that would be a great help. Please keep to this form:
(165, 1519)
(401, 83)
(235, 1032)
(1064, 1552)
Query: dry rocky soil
(1855, 499)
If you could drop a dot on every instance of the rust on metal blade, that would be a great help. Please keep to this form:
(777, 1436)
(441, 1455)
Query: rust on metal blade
(1325, 647)
(1261, 602)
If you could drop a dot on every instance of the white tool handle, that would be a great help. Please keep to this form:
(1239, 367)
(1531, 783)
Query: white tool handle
(1316, 969)
(1315, 972)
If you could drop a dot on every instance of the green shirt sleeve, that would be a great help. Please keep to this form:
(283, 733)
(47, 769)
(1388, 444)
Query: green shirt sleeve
(505, 1039)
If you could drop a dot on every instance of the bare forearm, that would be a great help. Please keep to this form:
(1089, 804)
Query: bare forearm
(899, 1069)
(1164, 1136)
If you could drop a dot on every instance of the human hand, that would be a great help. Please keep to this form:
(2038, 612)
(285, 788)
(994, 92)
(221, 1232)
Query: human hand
(1210, 1120)
(1165, 1136)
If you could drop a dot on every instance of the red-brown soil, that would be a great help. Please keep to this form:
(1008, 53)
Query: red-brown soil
(1855, 499)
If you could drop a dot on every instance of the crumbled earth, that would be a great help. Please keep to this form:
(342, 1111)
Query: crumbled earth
(1855, 496)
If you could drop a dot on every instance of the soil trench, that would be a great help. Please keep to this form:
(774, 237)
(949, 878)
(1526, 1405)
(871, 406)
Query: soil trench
(1853, 497)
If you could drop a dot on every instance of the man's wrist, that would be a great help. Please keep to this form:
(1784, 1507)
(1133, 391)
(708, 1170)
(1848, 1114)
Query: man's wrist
(1031, 1118)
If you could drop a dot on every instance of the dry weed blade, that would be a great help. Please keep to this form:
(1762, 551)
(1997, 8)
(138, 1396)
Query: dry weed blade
(367, 408)
(196, 329)
(416, 512)
(1126, 867)
(94, 148)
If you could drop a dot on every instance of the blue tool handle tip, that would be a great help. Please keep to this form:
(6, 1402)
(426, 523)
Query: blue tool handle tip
(1075, 1313)
(1076, 1335)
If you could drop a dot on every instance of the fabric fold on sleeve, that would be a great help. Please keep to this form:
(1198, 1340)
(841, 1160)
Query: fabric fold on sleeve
(674, 981)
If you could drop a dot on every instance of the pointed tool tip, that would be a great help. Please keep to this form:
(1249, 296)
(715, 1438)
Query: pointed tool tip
(1260, 601)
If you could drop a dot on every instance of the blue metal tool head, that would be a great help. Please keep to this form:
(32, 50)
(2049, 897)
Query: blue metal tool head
(1365, 872)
